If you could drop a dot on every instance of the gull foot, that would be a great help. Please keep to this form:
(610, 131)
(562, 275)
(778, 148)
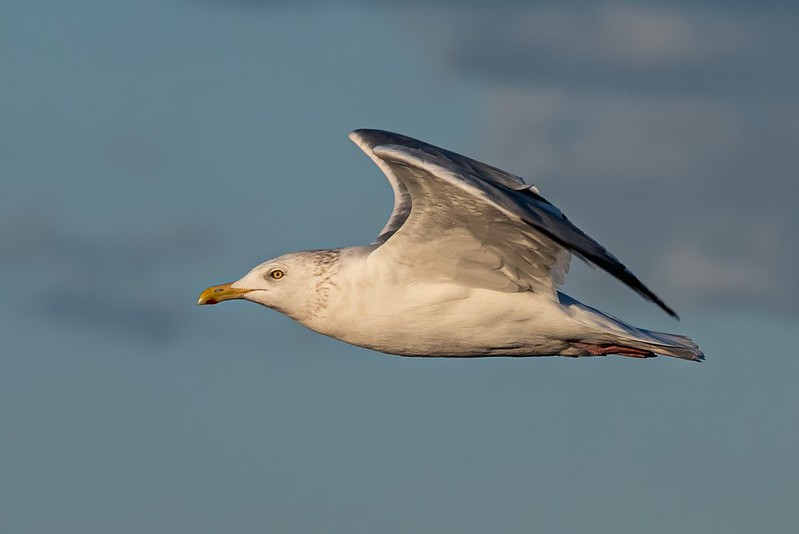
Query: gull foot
(621, 350)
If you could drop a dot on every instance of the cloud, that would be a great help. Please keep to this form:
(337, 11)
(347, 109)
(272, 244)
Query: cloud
(613, 46)
(128, 285)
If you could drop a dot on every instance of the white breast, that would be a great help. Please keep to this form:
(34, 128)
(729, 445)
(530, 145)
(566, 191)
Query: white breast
(371, 309)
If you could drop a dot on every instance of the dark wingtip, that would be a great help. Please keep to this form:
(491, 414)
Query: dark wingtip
(631, 280)
(669, 311)
(646, 293)
(654, 298)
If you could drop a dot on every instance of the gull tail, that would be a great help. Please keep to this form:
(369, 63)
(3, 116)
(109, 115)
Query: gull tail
(663, 344)
(609, 335)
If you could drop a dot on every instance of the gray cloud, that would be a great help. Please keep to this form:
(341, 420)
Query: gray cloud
(612, 47)
(115, 285)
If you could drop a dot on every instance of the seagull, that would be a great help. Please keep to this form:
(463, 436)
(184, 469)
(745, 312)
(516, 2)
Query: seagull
(468, 265)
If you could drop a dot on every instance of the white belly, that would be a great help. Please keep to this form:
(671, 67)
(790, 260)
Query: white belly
(447, 320)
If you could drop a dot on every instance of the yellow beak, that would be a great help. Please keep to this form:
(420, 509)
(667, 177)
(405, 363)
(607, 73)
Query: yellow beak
(215, 294)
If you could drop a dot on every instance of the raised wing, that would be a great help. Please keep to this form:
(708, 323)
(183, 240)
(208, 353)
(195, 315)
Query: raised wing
(458, 219)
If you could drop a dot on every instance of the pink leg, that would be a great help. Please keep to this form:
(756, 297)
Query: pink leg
(602, 350)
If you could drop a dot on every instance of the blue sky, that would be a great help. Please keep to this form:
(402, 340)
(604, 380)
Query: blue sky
(151, 149)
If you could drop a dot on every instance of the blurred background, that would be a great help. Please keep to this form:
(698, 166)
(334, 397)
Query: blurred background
(149, 149)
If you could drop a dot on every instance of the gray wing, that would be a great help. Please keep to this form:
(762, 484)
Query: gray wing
(458, 219)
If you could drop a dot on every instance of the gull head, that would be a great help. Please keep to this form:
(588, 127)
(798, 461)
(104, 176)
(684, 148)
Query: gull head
(295, 284)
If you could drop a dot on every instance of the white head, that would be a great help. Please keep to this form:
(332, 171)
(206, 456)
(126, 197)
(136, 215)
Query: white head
(296, 284)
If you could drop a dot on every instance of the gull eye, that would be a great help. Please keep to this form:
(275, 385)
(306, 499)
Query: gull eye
(277, 274)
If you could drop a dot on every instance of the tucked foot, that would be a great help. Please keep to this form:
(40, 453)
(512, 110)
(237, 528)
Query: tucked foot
(604, 349)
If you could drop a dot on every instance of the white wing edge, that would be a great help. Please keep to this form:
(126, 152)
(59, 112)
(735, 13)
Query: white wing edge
(402, 198)
(412, 157)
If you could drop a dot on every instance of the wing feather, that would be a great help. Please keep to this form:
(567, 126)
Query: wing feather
(473, 214)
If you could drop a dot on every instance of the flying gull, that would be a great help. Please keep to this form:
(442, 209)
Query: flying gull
(468, 265)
